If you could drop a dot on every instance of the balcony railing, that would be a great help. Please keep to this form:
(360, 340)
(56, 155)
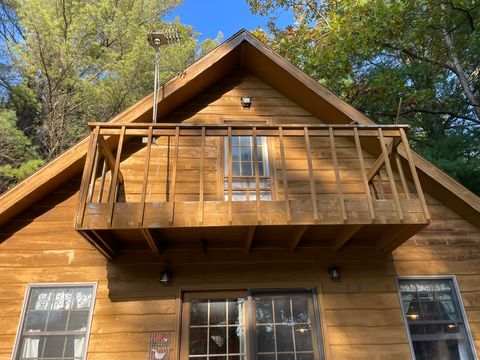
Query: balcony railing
(152, 176)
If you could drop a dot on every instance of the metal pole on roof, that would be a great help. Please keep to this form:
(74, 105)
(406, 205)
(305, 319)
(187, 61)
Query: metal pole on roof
(158, 39)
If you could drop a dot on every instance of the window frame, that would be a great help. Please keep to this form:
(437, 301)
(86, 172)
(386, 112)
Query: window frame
(458, 300)
(250, 327)
(269, 161)
(26, 298)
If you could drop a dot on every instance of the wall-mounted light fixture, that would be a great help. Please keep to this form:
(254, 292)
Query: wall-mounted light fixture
(335, 274)
(246, 101)
(165, 277)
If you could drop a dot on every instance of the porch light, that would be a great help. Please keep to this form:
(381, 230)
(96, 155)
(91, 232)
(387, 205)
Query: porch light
(165, 277)
(246, 101)
(335, 274)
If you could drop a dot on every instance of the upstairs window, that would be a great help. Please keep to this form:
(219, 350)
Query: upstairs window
(435, 319)
(56, 322)
(244, 168)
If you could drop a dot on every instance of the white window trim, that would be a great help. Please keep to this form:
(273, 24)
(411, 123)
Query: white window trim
(453, 278)
(58, 285)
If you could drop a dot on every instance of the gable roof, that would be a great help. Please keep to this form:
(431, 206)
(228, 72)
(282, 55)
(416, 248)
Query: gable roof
(241, 51)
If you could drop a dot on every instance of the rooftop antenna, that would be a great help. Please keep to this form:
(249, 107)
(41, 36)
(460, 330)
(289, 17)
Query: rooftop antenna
(158, 39)
(398, 110)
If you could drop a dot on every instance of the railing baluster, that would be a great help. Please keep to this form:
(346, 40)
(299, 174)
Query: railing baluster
(112, 195)
(402, 175)
(391, 180)
(368, 193)
(91, 188)
(313, 190)
(284, 174)
(174, 175)
(146, 170)
(337, 175)
(102, 181)
(202, 178)
(86, 176)
(257, 175)
(413, 171)
(229, 182)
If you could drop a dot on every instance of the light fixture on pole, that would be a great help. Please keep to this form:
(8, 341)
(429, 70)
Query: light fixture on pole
(158, 39)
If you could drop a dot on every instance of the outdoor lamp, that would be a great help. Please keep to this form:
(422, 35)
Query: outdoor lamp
(165, 277)
(335, 274)
(246, 101)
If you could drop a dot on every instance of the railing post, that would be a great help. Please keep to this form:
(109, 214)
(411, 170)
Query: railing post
(391, 179)
(114, 180)
(368, 193)
(229, 174)
(86, 176)
(284, 174)
(202, 178)
(338, 181)
(257, 175)
(146, 170)
(174, 175)
(313, 190)
(413, 171)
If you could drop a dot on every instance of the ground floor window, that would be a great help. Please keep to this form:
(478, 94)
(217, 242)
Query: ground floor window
(255, 325)
(55, 322)
(435, 319)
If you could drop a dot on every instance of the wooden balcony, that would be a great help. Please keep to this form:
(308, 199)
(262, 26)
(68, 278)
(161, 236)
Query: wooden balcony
(176, 186)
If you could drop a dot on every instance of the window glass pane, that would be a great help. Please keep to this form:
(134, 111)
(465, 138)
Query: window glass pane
(303, 338)
(36, 320)
(51, 311)
(54, 346)
(233, 311)
(246, 154)
(198, 313)
(247, 169)
(218, 340)
(265, 338)
(264, 312)
(78, 320)
(435, 323)
(198, 341)
(245, 140)
(282, 310)
(57, 321)
(284, 337)
(218, 312)
(235, 153)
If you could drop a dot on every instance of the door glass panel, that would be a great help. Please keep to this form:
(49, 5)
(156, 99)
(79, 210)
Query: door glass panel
(217, 329)
(284, 328)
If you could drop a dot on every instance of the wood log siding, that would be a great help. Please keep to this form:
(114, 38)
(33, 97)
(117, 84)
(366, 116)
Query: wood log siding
(311, 163)
(360, 316)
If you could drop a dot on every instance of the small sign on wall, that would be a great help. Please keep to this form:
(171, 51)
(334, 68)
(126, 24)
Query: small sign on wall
(159, 346)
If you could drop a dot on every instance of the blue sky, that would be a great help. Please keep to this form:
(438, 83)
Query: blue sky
(208, 17)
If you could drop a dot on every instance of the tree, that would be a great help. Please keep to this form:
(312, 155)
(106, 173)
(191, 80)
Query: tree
(81, 61)
(18, 156)
(64, 63)
(376, 54)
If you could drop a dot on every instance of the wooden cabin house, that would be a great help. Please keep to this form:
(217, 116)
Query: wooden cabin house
(260, 217)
